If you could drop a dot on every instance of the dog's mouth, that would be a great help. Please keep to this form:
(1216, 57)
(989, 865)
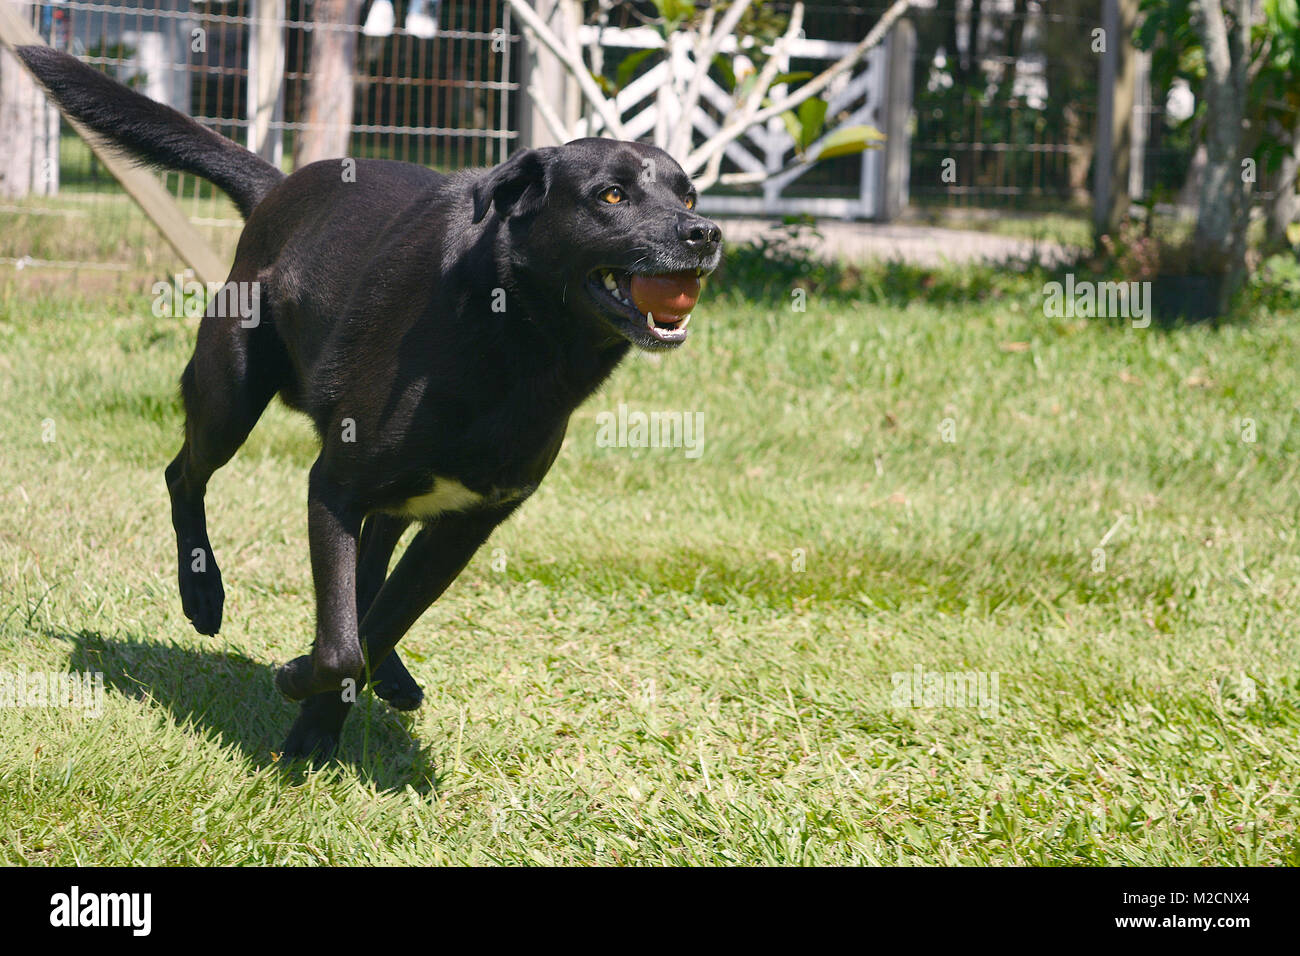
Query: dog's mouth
(653, 308)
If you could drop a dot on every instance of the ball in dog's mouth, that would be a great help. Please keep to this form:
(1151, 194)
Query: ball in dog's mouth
(669, 297)
(665, 300)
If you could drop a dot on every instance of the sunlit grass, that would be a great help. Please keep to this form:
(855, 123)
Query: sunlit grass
(667, 660)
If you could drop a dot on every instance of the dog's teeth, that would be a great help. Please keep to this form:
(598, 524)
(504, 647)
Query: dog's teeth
(610, 284)
(650, 321)
(686, 320)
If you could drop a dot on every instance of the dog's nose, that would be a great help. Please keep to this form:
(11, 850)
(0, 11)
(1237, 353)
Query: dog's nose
(699, 234)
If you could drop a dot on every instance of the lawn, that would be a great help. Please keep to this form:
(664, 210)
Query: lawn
(673, 659)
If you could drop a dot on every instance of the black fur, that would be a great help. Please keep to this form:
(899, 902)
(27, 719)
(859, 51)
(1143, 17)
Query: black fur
(149, 132)
(435, 328)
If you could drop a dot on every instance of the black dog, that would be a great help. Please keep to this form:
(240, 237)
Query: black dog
(438, 330)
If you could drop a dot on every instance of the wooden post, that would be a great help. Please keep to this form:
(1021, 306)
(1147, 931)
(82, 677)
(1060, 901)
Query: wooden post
(266, 80)
(539, 68)
(142, 185)
(1141, 125)
(29, 129)
(1110, 199)
(896, 165)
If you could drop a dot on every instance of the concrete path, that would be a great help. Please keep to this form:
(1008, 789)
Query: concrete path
(918, 245)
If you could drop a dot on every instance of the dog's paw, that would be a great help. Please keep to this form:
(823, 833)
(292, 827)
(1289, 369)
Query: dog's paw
(308, 741)
(202, 596)
(405, 699)
(293, 679)
(393, 683)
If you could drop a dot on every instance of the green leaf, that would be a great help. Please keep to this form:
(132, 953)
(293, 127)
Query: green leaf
(723, 66)
(794, 128)
(849, 140)
(674, 11)
(1282, 14)
(628, 67)
(798, 77)
(812, 116)
(805, 126)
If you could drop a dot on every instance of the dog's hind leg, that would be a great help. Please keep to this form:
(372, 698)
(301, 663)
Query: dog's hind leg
(233, 375)
(379, 536)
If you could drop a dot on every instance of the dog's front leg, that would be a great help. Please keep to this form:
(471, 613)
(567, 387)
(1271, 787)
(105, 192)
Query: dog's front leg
(434, 558)
(315, 734)
(379, 536)
(333, 524)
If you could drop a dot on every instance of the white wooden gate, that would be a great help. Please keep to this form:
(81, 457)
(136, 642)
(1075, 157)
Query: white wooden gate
(649, 107)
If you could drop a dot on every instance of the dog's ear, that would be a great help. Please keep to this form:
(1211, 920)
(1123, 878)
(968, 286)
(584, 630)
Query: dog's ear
(517, 187)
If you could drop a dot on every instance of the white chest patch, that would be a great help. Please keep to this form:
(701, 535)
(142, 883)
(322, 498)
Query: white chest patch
(447, 494)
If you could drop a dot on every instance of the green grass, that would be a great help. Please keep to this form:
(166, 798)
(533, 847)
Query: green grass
(651, 679)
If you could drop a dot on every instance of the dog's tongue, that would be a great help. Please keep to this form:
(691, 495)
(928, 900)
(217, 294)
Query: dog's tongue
(670, 296)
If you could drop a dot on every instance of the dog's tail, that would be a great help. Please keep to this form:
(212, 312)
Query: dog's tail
(152, 134)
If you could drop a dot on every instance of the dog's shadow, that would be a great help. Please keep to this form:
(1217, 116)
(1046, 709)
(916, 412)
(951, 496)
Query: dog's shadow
(231, 698)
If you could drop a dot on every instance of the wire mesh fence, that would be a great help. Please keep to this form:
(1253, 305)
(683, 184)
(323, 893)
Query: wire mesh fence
(446, 101)
(1004, 95)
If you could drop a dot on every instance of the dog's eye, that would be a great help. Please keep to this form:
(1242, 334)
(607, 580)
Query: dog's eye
(690, 202)
(613, 195)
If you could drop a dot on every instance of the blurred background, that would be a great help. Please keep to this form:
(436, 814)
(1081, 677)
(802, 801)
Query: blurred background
(990, 110)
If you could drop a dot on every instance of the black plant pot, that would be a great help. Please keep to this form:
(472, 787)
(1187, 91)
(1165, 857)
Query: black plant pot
(1190, 298)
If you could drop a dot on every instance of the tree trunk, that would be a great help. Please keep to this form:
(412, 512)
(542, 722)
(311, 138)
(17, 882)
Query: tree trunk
(1282, 210)
(948, 10)
(1015, 44)
(1079, 159)
(327, 116)
(1117, 94)
(1223, 208)
(1071, 71)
